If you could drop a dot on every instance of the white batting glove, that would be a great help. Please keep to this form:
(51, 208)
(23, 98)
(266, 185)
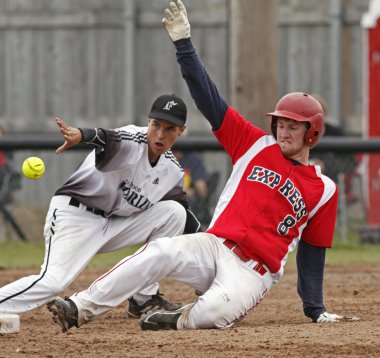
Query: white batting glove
(326, 317)
(176, 22)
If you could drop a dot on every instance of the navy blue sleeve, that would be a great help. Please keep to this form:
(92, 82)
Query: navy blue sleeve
(310, 266)
(203, 90)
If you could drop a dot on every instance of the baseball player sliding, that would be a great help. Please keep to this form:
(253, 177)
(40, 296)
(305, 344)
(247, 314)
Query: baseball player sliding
(128, 190)
(272, 201)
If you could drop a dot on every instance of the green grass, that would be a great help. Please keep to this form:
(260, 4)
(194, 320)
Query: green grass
(351, 252)
(29, 255)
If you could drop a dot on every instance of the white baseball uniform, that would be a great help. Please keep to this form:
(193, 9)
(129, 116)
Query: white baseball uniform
(113, 200)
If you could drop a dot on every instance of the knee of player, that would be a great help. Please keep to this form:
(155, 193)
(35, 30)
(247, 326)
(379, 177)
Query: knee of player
(54, 284)
(165, 249)
(175, 211)
(213, 315)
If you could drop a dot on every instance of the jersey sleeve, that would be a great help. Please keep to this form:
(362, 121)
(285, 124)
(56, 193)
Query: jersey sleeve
(310, 269)
(118, 151)
(202, 88)
(320, 228)
(236, 134)
(93, 136)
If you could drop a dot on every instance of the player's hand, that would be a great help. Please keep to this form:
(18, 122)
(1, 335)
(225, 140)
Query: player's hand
(327, 317)
(71, 135)
(176, 22)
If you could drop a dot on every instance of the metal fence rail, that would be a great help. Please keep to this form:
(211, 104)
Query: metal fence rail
(343, 159)
(326, 144)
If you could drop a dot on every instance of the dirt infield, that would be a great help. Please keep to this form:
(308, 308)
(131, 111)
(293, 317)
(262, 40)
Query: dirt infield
(276, 329)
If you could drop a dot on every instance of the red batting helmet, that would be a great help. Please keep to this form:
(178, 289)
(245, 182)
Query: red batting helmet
(303, 108)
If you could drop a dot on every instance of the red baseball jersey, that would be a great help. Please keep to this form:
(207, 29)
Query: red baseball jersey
(269, 201)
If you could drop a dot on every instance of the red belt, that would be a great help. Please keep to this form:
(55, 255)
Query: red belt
(233, 246)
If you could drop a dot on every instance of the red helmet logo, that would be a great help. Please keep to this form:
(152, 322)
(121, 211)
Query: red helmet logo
(303, 108)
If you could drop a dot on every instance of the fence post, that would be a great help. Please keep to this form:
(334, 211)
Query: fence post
(342, 208)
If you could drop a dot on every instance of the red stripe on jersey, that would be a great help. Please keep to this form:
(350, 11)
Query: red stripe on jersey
(269, 202)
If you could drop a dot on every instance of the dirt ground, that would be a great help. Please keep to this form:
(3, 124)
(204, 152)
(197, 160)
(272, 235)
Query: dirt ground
(276, 329)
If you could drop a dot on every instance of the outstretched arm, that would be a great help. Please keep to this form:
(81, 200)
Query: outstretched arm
(310, 266)
(73, 136)
(203, 90)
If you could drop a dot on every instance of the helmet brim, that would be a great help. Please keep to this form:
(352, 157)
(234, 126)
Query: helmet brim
(289, 115)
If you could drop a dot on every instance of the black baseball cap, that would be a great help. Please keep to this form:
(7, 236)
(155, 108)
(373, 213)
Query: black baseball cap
(169, 107)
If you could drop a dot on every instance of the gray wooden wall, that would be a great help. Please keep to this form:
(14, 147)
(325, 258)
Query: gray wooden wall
(72, 59)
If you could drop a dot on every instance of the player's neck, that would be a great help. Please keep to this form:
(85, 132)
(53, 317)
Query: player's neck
(301, 157)
(154, 162)
(153, 158)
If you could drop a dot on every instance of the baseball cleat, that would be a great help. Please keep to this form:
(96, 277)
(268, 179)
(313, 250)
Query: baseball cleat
(154, 321)
(157, 302)
(65, 313)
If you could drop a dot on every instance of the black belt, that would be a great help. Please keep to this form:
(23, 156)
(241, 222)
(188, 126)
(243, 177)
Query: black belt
(76, 203)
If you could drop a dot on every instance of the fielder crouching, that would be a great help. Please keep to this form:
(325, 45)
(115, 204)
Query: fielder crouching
(128, 190)
(273, 201)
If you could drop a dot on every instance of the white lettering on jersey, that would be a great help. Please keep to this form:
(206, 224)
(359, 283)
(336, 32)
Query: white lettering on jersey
(293, 195)
(265, 176)
(131, 193)
(288, 190)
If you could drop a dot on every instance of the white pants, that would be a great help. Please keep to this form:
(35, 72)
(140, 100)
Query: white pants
(72, 238)
(232, 288)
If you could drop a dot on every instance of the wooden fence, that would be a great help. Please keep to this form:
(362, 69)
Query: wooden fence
(103, 62)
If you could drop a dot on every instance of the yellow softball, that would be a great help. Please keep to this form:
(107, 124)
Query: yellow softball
(33, 167)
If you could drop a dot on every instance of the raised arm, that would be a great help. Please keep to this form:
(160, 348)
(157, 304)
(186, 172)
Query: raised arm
(203, 90)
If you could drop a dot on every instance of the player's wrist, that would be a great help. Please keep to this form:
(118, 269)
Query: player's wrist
(93, 136)
(313, 312)
(81, 135)
(183, 45)
(87, 134)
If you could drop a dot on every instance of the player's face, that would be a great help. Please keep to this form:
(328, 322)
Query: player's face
(162, 135)
(290, 138)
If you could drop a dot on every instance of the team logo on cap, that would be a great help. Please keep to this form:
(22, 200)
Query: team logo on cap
(169, 105)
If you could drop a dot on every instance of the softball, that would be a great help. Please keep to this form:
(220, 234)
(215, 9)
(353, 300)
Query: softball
(33, 167)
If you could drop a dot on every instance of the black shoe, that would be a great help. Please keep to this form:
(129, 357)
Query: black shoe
(153, 321)
(65, 313)
(198, 292)
(154, 304)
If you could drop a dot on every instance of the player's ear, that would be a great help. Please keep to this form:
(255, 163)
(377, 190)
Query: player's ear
(181, 130)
